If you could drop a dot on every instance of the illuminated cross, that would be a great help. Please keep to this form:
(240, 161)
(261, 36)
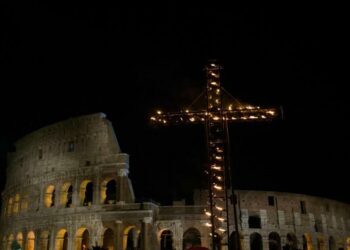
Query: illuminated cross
(216, 116)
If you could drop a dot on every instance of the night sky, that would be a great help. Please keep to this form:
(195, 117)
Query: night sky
(61, 61)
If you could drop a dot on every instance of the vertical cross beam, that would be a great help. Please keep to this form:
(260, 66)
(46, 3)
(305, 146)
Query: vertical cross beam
(216, 140)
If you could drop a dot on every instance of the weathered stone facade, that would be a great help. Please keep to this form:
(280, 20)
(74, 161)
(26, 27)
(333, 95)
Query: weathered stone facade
(68, 188)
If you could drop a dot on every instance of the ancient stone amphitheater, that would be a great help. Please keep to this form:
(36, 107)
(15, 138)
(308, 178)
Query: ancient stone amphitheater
(68, 188)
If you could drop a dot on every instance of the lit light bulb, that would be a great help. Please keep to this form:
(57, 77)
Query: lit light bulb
(192, 119)
(219, 208)
(271, 112)
(217, 187)
(207, 213)
(221, 229)
(207, 224)
(159, 112)
(153, 118)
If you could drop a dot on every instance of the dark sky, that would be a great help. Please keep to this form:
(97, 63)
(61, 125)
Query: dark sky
(61, 61)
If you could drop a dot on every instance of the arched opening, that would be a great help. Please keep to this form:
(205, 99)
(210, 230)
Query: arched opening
(66, 195)
(24, 203)
(255, 241)
(19, 239)
(292, 242)
(108, 239)
(332, 244)
(86, 193)
(49, 198)
(30, 241)
(192, 237)
(61, 240)
(10, 241)
(307, 242)
(166, 240)
(82, 241)
(130, 241)
(44, 243)
(111, 192)
(16, 204)
(320, 243)
(217, 242)
(234, 241)
(274, 241)
(9, 206)
(348, 243)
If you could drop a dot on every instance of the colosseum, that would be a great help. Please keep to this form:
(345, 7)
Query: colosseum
(74, 193)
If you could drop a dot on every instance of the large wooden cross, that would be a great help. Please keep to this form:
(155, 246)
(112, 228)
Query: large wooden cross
(216, 115)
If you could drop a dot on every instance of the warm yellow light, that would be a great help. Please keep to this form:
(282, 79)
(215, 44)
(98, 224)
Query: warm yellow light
(212, 64)
(153, 118)
(207, 224)
(207, 213)
(263, 116)
(164, 121)
(271, 112)
(216, 118)
(219, 208)
(217, 91)
(253, 117)
(249, 107)
(219, 178)
(217, 101)
(230, 107)
(159, 112)
(221, 229)
(187, 111)
(192, 119)
(215, 167)
(214, 83)
(219, 150)
(221, 219)
(217, 187)
(218, 157)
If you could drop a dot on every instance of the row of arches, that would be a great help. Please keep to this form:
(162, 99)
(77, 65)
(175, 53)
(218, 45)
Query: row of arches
(132, 240)
(274, 240)
(85, 193)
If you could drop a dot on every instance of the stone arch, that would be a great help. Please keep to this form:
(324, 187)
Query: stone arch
(292, 242)
(86, 193)
(256, 241)
(233, 240)
(274, 241)
(307, 242)
(82, 239)
(10, 241)
(44, 242)
(19, 239)
(49, 198)
(108, 239)
(130, 238)
(17, 204)
(109, 191)
(24, 202)
(66, 195)
(320, 243)
(166, 240)
(191, 236)
(61, 242)
(30, 241)
(332, 243)
(9, 206)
